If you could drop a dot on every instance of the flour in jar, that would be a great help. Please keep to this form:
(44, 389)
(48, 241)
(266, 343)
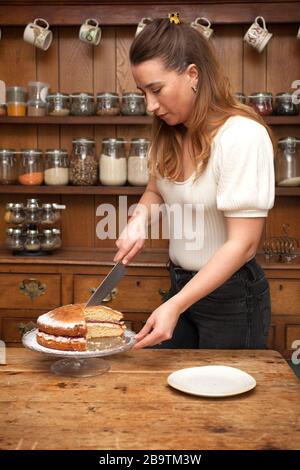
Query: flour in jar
(113, 171)
(138, 174)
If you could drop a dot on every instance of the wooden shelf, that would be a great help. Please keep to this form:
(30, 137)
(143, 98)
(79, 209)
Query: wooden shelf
(112, 190)
(120, 120)
(117, 190)
(78, 120)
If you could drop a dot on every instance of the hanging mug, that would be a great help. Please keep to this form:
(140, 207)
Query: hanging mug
(142, 24)
(90, 32)
(205, 29)
(258, 36)
(38, 34)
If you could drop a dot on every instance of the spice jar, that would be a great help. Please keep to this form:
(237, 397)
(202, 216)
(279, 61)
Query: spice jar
(8, 212)
(18, 214)
(48, 240)
(133, 104)
(31, 167)
(83, 163)
(138, 174)
(113, 163)
(36, 108)
(8, 166)
(82, 104)
(32, 242)
(108, 104)
(284, 105)
(38, 91)
(17, 243)
(56, 233)
(287, 168)
(16, 101)
(9, 237)
(241, 97)
(58, 104)
(56, 167)
(262, 103)
(47, 214)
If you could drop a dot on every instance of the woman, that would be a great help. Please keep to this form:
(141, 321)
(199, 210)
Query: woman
(213, 154)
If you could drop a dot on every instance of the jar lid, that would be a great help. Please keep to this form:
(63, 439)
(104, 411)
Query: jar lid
(47, 206)
(289, 140)
(9, 205)
(137, 140)
(56, 152)
(10, 231)
(47, 231)
(113, 141)
(261, 94)
(17, 231)
(32, 152)
(18, 205)
(32, 200)
(58, 95)
(133, 94)
(16, 88)
(38, 84)
(56, 231)
(284, 94)
(5, 151)
(83, 140)
(32, 231)
(82, 95)
(107, 94)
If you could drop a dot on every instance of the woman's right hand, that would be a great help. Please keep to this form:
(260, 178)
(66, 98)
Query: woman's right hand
(132, 239)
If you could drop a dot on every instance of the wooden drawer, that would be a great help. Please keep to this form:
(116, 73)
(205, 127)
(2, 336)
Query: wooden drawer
(10, 332)
(285, 295)
(41, 291)
(134, 294)
(292, 334)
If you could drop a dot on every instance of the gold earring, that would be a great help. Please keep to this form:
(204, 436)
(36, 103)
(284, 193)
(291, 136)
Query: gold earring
(194, 88)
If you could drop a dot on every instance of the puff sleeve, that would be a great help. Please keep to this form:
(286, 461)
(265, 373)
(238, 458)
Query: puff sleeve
(244, 170)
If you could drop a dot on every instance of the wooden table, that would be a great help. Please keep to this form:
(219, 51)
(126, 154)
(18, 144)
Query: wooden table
(132, 407)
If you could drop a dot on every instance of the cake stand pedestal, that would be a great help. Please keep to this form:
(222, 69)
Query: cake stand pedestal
(82, 363)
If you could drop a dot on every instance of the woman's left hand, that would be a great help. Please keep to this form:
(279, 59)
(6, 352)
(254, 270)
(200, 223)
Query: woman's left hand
(159, 326)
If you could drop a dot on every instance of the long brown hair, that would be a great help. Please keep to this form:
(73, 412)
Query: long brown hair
(178, 46)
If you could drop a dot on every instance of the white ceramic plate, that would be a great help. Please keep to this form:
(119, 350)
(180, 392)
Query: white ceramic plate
(30, 342)
(212, 381)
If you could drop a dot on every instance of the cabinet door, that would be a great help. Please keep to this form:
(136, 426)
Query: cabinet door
(285, 296)
(26, 290)
(132, 294)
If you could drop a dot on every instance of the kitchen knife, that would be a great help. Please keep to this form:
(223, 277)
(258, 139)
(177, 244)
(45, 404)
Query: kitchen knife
(108, 283)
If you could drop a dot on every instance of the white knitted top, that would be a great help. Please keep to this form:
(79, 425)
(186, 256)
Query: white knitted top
(237, 182)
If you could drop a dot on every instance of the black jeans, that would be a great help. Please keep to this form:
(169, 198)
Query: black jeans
(234, 316)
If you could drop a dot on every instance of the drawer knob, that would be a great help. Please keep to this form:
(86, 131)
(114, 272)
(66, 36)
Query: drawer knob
(32, 288)
(162, 292)
(112, 295)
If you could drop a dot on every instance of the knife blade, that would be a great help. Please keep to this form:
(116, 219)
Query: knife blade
(108, 283)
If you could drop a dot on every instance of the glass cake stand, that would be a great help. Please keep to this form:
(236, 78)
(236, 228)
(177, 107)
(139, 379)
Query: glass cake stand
(82, 363)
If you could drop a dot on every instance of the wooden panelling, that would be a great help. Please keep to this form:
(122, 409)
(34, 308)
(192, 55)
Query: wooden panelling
(292, 334)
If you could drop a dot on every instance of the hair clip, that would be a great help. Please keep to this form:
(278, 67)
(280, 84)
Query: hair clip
(174, 18)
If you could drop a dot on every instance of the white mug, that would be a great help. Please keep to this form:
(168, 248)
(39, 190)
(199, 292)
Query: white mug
(204, 29)
(38, 34)
(142, 24)
(258, 36)
(90, 32)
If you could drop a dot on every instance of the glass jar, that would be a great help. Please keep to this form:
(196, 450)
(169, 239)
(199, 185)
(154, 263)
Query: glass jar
(113, 163)
(287, 166)
(8, 166)
(18, 214)
(284, 105)
(48, 240)
(83, 163)
(16, 101)
(8, 212)
(82, 104)
(32, 211)
(56, 233)
(9, 237)
(32, 242)
(31, 167)
(108, 104)
(17, 243)
(58, 104)
(133, 104)
(38, 91)
(56, 167)
(47, 214)
(138, 174)
(262, 103)
(241, 97)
